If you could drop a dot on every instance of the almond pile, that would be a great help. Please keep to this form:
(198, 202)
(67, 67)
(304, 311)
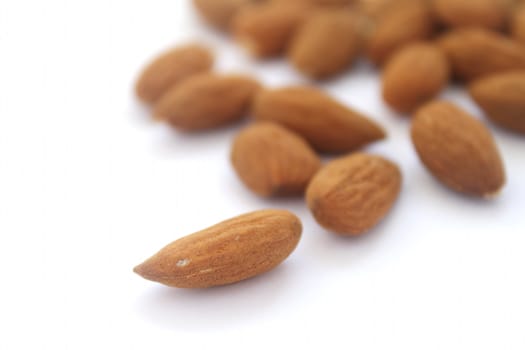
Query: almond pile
(420, 48)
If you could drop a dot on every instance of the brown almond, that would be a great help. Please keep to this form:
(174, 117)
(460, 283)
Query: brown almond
(458, 149)
(219, 13)
(273, 161)
(502, 98)
(320, 3)
(326, 44)
(518, 24)
(475, 52)
(489, 14)
(375, 9)
(414, 75)
(351, 195)
(325, 123)
(397, 28)
(266, 29)
(170, 68)
(207, 101)
(229, 252)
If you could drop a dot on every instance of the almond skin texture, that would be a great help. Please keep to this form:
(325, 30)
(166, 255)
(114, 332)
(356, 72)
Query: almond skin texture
(351, 195)
(326, 124)
(458, 149)
(207, 101)
(229, 252)
(489, 14)
(502, 98)
(397, 28)
(171, 68)
(474, 53)
(326, 44)
(273, 161)
(219, 13)
(518, 25)
(266, 29)
(414, 75)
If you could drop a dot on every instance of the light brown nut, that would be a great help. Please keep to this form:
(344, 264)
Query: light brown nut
(518, 24)
(489, 14)
(475, 52)
(351, 195)
(229, 252)
(327, 43)
(414, 75)
(502, 98)
(458, 149)
(273, 161)
(266, 29)
(207, 101)
(170, 68)
(397, 28)
(325, 123)
(320, 3)
(376, 9)
(219, 13)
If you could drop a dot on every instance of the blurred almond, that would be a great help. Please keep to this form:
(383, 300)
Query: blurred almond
(489, 14)
(414, 75)
(476, 52)
(518, 24)
(207, 101)
(170, 68)
(502, 98)
(458, 149)
(273, 161)
(229, 252)
(327, 43)
(219, 13)
(325, 123)
(351, 195)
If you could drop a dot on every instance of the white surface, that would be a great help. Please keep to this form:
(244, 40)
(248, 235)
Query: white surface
(89, 187)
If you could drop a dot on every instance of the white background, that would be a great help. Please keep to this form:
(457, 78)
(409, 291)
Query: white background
(90, 186)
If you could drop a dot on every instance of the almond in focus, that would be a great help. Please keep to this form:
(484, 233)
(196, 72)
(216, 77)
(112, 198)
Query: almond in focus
(170, 69)
(351, 195)
(273, 161)
(229, 252)
(458, 149)
(207, 101)
(326, 124)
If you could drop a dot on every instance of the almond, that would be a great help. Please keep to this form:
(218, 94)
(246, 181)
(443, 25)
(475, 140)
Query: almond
(273, 161)
(170, 68)
(207, 101)
(397, 28)
(229, 252)
(266, 29)
(489, 14)
(326, 44)
(376, 9)
(219, 13)
(476, 52)
(518, 24)
(458, 149)
(351, 195)
(414, 75)
(320, 3)
(502, 98)
(326, 124)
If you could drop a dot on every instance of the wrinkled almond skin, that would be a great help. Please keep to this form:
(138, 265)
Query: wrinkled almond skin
(458, 149)
(518, 24)
(414, 75)
(207, 101)
(397, 28)
(475, 52)
(229, 252)
(489, 14)
(266, 29)
(502, 98)
(326, 124)
(326, 44)
(219, 13)
(171, 68)
(351, 195)
(273, 161)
